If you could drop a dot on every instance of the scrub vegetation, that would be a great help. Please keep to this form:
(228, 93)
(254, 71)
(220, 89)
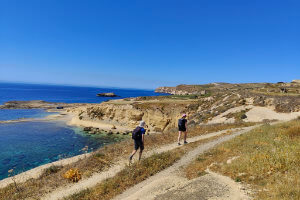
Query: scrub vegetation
(99, 160)
(267, 158)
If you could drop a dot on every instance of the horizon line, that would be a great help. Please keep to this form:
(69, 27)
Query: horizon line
(74, 85)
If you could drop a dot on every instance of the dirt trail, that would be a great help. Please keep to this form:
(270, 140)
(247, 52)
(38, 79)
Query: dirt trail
(169, 184)
(98, 177)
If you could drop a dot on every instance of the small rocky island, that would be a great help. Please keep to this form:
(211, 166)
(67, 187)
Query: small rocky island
(109, 94)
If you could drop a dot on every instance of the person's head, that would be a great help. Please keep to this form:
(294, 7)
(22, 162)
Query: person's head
(184, 116)
(142, 124)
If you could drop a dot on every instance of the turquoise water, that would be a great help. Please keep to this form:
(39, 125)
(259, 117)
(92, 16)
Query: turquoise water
(26, 145)
(14, 114)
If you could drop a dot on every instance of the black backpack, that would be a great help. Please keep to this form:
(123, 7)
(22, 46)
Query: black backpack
(181, 123)
(137, 133)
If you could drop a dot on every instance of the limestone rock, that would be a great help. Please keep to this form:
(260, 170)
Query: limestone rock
(88, 128)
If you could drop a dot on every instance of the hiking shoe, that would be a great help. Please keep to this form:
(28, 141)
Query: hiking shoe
(185, 142)
(179, 143)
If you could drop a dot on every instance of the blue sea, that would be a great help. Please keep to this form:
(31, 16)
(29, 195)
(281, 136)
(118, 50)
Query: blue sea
(25, 145)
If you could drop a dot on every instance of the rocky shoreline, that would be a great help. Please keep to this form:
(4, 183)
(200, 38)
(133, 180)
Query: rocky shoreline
(37, 104)
(202, 103)
(64, 114)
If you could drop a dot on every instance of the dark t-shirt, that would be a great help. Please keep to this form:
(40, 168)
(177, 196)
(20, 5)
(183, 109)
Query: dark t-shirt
(181, 123)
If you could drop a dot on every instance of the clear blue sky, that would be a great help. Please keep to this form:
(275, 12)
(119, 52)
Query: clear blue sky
(149, 43)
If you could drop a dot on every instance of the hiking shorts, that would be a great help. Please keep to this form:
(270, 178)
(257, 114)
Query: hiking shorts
(138, 144)
(183, 129)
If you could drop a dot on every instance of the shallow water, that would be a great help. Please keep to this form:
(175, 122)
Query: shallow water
(26, 145)
(14, 114)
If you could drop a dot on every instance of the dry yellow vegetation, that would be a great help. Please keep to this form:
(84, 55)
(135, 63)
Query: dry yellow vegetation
(73, 175)
(267, 158)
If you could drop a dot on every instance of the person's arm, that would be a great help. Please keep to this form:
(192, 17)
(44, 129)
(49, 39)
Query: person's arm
(186, 129)
(143, 134)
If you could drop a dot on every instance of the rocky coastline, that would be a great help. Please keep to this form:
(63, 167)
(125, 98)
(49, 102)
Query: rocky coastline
(204, 104)
(223, 104)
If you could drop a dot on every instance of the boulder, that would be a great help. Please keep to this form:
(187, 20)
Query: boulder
(110, 133)
(88, 128)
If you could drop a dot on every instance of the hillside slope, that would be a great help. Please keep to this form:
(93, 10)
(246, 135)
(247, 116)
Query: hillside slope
(220, 103)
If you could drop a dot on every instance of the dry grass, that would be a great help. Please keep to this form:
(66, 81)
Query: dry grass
(136, 173)
(293, 132)
(269, 160)
(98, 161)
(130, 176)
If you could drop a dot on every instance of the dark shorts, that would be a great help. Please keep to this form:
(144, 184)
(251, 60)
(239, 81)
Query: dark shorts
(183, 129)
(138, 144)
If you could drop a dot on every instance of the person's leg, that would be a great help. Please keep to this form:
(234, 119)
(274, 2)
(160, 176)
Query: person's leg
(136, 146)
(130, 157)
(141, 150)
(132, 154)
(140, 154)
(179, 136)
(184, 137)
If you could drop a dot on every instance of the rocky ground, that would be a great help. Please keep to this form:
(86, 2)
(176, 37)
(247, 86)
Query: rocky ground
(220, 103)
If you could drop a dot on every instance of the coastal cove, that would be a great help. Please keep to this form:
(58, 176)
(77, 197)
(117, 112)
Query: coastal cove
(33, 137)
(27, 145)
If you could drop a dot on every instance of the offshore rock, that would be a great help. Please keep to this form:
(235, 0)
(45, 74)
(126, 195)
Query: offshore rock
(110, 94)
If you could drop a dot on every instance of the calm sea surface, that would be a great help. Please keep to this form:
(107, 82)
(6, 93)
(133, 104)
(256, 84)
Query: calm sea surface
(25, 145)
(66, 94)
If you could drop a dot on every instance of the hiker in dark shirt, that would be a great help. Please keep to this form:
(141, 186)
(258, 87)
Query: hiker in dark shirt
(138, 137)
(182, 127)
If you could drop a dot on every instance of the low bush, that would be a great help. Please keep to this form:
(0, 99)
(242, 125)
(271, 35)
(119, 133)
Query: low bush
(73, 175)
(52, 170)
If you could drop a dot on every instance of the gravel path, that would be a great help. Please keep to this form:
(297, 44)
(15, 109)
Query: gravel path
(169, 184)
(99, 177)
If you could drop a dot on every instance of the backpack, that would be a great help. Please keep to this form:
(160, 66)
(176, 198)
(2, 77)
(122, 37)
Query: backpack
(181, 123)
(137, 133)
